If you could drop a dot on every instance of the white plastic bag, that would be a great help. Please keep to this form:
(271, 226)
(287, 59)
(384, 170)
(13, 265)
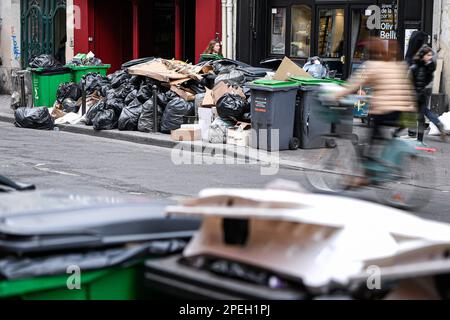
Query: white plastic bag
(445, 119)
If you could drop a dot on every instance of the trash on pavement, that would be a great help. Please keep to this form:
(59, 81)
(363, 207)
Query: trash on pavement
(217, 132)
(240, 135)
(33, 118)
(187, 133)
(146, 119)
(129, 118)
(174, 114)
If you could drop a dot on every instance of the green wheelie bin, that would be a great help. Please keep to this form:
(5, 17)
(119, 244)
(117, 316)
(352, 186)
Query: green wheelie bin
(79, 71)
(45, 84)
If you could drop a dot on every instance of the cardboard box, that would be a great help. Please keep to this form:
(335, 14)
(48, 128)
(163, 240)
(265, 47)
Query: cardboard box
(222, 88)
(240, 135)
(289, 68)
(187, 133)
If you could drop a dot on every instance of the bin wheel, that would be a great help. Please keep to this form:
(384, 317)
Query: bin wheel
(294, 144)
(330, 143)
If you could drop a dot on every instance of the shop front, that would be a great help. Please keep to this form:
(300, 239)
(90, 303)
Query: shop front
(336, 31)
(120, 30)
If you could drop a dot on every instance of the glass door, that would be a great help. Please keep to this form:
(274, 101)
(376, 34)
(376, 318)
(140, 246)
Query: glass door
(331, 41)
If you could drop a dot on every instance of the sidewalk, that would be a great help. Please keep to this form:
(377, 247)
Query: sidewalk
(296, 160)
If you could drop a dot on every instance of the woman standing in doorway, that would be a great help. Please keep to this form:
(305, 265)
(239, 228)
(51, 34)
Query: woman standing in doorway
(214, 48)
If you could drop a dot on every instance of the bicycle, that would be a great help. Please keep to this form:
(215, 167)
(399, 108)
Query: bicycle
(400, 172)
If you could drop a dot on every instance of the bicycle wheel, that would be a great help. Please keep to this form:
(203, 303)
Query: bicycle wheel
(412, 190)
(331, 168)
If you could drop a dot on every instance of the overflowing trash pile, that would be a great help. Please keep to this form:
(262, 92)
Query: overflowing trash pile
(209, 97)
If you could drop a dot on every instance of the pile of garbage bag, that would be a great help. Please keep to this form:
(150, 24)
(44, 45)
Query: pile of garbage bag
(126, 98)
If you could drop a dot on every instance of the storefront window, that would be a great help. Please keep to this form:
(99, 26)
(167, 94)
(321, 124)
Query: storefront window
(360, 36)
(301, 31)
(278, 31)
(331, 33)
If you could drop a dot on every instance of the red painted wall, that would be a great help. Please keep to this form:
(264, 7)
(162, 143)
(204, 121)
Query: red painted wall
(208, 22)
(81, 36)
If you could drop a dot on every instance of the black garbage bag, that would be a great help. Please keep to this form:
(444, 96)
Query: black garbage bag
(119, 78)
(231, 107)
(136, 81)
(144, 93)
(93, 82)
(136, 62)
(146, 120)
(130, 97)
(234, 76)
(124, 91)
(171, 95)
(33, 118)
(92, 112)
(115, 104)
(13, 268)
(195, 86)
(129, 118)
(105, 119)
(208, 80)
(70, 105)
(162, 100)
(110, 94)
(227, 65)
(45, 61)
(174, 114)
(68, 90)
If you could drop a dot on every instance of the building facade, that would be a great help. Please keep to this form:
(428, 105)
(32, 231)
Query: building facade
(115, 30)
(10, 48)
(335, 30)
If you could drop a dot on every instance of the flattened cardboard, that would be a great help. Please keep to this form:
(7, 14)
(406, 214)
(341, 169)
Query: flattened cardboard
(287, 69)
(208, 100)
(308, 239)
(183, 94)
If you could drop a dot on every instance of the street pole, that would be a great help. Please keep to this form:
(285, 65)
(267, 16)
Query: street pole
(155, 109)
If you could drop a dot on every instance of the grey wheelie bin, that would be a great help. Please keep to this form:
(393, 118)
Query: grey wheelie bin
(273, 112)
(310, 126)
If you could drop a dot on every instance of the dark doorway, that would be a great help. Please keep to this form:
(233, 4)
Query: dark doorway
(188, 28)
(157, 29)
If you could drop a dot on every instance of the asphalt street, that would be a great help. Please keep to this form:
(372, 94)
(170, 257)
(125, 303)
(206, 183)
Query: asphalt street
(56, 160)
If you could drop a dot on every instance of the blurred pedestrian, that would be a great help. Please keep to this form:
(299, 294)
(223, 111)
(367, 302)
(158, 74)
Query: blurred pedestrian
(422, 71)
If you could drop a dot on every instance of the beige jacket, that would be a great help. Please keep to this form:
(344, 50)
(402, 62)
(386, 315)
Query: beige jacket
(392, 88)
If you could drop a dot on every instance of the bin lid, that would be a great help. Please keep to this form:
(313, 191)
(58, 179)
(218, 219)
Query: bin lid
(273, 85)
(50, 71)
(47, 221)
(75, 67)
(314, 81)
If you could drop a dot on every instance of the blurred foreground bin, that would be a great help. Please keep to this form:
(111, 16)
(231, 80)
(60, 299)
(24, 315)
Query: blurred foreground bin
(46, 83)
(309, 126)
(174, 279)
(106, 242)
(79, 71)
(273, 111)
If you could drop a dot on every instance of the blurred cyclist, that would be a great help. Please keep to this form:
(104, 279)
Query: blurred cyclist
(392, 89)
